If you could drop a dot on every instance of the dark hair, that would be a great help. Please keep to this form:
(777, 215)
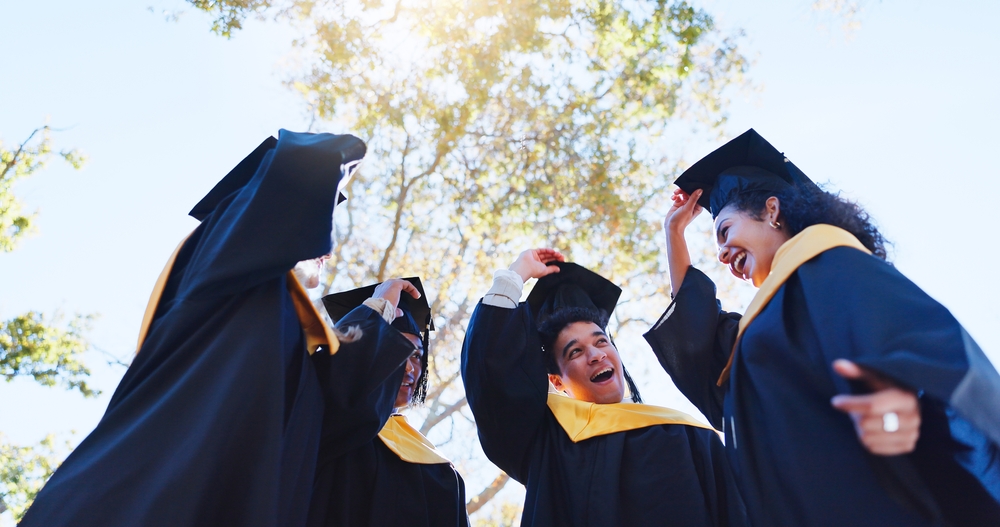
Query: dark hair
(420, 392)
(558, 320)
(804, 206)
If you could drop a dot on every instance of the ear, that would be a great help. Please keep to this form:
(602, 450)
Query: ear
(556, 381)
(773, 208)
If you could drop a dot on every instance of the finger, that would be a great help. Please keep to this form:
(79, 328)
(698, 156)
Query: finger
(411, 289)
(548, 255)
(852, 371)
(399, 312)
(692, 203)
(549, 269)
(859, 404)
(894, 400)
(847, 369)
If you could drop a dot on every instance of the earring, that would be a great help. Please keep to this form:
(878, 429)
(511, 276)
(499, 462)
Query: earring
(775, 224)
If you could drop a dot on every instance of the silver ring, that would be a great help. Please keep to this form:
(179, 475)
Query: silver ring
(890, 422)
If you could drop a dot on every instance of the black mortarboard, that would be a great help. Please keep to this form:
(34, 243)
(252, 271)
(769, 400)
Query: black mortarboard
(572, 286)
(416, 320)
(416, 317)
(746, 163)
(239, 176)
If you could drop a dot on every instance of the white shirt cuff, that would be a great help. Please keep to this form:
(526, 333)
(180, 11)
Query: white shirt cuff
(506, 290)
(382, 307)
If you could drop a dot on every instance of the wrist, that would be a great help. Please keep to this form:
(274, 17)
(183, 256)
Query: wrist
(675, 240)
(521, 271)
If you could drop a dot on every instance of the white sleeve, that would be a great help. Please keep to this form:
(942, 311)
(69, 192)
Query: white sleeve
(382, 307)
(506, 290)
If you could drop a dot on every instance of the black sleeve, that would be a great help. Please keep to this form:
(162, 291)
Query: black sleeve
(281, 217)
(693, 340)
(865, 310)
(506, 384)
(360, 381)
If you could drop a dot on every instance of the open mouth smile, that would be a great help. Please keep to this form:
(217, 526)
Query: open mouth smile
(738, 266)
(602, 376)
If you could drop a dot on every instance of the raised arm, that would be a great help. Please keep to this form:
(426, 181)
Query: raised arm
(504, 370)
(282, 216)
(683, 211)
(693, 337)
(361, 380)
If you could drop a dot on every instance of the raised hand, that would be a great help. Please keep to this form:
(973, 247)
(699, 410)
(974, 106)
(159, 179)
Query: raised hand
(887, 420)
(683, 211)
(533, 263)
(392, 288)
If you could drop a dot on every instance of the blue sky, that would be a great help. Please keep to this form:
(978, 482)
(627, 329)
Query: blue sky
(901, 116)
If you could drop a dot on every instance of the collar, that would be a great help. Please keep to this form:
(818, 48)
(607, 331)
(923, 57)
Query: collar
(409, 444)
(582, 420)
(799, 249)
(317, 332)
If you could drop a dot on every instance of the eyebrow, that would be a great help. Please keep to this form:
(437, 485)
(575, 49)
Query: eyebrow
(570, 344)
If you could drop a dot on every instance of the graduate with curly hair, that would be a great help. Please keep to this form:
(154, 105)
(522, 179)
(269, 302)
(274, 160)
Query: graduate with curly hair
(847, 395)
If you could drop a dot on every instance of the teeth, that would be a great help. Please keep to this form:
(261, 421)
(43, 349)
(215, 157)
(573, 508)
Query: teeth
(598, 374)
(738, 262)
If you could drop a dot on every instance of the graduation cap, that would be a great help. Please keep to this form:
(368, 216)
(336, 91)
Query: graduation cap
(747, 163)
(237, 178)
(573, 286)
(416, 320)
(577, 286)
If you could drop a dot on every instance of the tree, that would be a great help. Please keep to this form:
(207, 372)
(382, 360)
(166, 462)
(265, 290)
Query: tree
(32, 344)
(494, 126)
(23, 471)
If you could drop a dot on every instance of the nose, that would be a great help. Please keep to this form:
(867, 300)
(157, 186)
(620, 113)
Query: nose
(724, 254)
(597, 355)
(409, 366)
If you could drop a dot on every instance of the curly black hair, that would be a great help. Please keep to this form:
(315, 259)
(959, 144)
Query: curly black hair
(807, 205)
(549, 331)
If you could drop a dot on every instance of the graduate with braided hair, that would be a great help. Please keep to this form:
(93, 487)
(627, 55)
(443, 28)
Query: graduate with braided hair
(386, 472)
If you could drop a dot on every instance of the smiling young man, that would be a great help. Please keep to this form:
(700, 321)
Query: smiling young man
(585, 453)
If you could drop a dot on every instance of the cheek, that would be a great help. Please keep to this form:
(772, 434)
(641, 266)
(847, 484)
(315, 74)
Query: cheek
(418, 370)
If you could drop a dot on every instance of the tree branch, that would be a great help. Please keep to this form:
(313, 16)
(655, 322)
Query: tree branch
(433, 420)
(487, 494)
(20, 148)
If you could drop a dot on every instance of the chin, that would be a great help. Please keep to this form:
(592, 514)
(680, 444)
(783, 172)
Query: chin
(610, 398)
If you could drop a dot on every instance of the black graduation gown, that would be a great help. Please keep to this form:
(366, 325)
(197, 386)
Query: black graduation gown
(359, 481)
(217, 421)
(658, 475)
(797, 459)
(372, 486)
